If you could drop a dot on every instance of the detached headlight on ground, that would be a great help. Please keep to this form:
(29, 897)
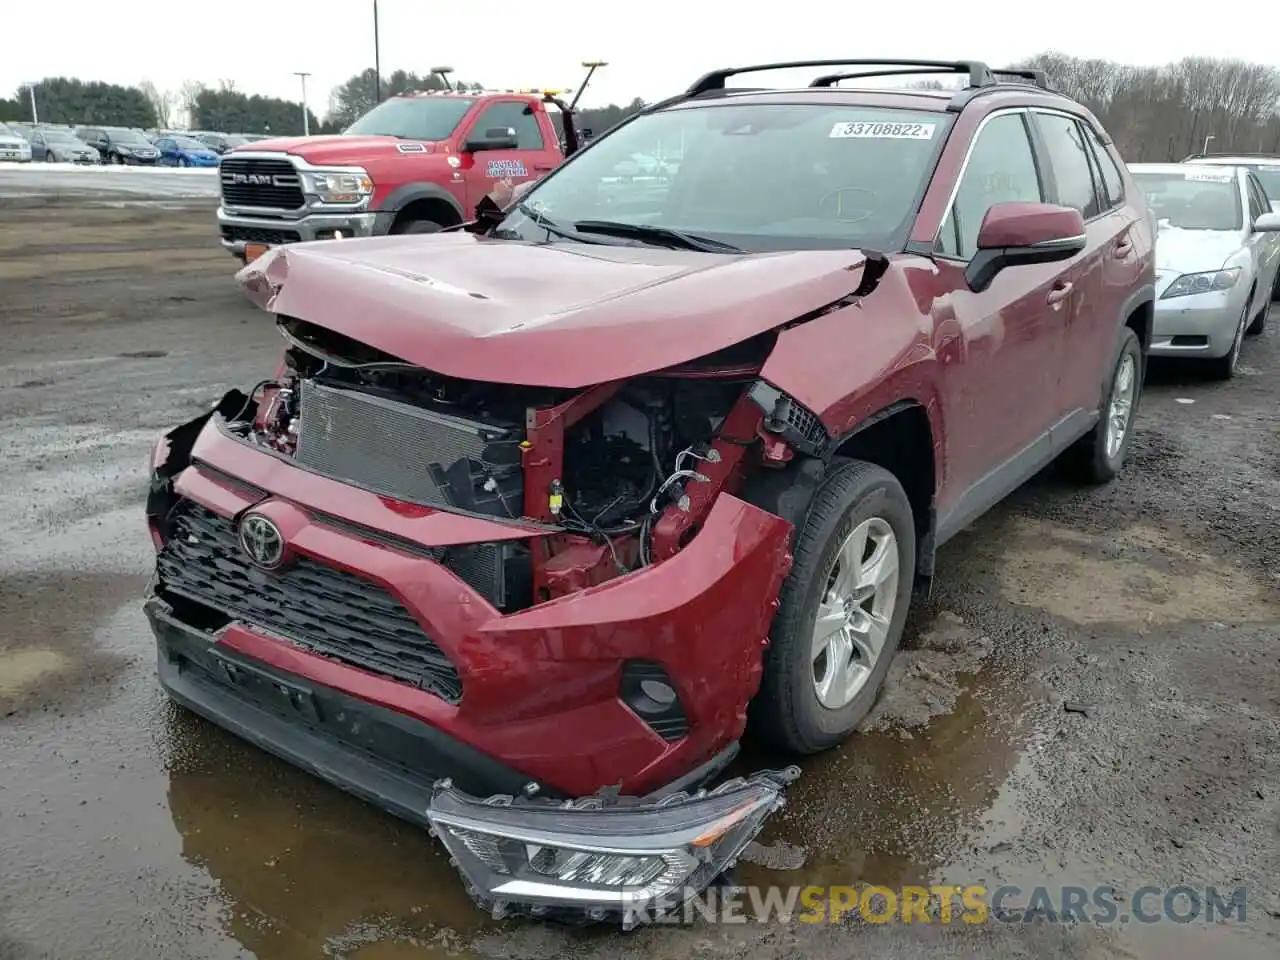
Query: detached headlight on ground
(1190, 283)
(339, 187)
(624, 860)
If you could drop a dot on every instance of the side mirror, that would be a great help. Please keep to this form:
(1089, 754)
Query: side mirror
(495, 138)
(1267, 223)
(1017, 234)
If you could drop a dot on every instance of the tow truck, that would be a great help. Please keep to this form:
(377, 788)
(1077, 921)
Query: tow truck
(415, 163)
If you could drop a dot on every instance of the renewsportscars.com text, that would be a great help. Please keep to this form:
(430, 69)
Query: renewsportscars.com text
(971, 904)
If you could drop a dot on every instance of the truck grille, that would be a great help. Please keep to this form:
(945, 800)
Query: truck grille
(319, 608)
(409, 452)
(253, 182)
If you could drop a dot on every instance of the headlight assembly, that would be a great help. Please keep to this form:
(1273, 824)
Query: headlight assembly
(604, 859)
(338, 186)
(1191, 283)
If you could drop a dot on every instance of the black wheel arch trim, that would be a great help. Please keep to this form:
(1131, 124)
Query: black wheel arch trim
(1145, 294)
(408, 193)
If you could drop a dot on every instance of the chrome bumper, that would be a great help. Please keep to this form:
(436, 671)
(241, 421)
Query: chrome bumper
(237, 230)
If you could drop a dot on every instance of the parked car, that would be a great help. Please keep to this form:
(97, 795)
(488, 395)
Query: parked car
(13, 146)
(1217, 259)
(220, 142)
(183, 151)
(545, 509)
(119, 145)
(1265, 166)
(56, 144)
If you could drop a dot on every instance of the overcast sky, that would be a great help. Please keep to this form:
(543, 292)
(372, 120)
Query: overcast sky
(654, 47)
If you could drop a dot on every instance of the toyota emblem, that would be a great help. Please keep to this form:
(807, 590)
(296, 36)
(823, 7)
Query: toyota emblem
(261, 541)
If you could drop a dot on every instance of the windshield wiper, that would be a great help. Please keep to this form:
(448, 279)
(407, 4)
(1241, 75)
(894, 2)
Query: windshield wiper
(663, 235)
(549, 225)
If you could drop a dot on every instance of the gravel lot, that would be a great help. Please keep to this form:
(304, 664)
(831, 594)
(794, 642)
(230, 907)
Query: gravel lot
(1090, 696)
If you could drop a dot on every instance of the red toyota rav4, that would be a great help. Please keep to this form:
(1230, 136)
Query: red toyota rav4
(539, 514)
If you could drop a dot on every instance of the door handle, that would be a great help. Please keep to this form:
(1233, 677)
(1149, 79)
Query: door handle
(1123, 248)
(1059, 292)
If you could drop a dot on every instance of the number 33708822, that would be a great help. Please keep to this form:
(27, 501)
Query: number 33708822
(883, 131)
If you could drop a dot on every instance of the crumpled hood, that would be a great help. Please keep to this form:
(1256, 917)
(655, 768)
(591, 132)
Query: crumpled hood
(338, 149)
(1194, 251)
(556, 315)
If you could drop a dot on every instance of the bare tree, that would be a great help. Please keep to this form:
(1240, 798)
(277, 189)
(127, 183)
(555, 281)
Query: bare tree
(1165, 113)
(188, 93)
(162, 102)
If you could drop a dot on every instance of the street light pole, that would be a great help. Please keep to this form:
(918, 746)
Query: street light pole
(31, 89)
(306, 121)
(1205, 148)
(377, 58)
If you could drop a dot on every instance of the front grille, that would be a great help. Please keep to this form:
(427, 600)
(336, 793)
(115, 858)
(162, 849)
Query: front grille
(248, 182)
(321, 609)
(409, 452)
(259, 235)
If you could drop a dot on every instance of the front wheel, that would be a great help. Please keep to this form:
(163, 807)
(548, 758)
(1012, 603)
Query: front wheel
(1224, 367)
(49, 157)
(841, 611)
(182, 162)
(418, 226)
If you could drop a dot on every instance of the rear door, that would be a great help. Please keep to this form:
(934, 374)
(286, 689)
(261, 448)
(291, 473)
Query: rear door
(531, 159)
(999, 348)
(1098, 278)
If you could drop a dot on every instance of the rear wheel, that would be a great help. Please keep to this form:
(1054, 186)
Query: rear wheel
(1098, 456)
(841, 611)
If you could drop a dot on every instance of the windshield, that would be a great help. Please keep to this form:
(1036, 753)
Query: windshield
(129, 137)
(758, 176)
(189, 143)
(7, 131)
(1195, 199)
(412, 118)
(59, 136)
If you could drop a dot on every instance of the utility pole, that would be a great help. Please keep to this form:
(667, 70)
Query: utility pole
(31, 89)
(306, 121)
(377, 58)
(1205, 148)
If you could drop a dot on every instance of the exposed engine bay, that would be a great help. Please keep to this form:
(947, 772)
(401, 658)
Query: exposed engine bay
(598, 469)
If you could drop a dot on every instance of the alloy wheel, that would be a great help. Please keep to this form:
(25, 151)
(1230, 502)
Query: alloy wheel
(853, 617)
(1120, 409)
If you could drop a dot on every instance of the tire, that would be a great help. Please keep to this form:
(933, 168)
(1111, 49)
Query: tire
(1259, 324)
(787, 711)
(1092, 459)
(1275, 289)
(49, 157)
(1224, 367)
(418, 226)
(182, 162)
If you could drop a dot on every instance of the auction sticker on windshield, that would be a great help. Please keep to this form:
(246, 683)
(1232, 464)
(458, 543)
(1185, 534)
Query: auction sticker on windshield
(880, 130)
(1212, 176)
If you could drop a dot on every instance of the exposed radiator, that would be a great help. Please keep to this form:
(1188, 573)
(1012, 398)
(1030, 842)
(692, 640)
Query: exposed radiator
(409, 452)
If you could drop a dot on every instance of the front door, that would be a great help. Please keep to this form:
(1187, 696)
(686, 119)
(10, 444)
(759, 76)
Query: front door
(528, 161)
(999, 349)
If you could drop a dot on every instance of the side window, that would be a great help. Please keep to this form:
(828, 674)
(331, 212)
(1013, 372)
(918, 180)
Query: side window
(1112, 182)
(1001, 168)
(518, 117)
(1069, 159)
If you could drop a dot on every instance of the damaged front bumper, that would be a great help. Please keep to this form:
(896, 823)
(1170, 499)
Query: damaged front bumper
(603, 858)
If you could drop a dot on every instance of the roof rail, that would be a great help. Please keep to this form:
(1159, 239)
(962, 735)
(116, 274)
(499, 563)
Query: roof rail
(831, 79)
(979, 73)
(1232, 153)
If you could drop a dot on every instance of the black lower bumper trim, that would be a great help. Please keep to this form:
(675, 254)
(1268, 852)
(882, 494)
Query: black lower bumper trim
(382, 756)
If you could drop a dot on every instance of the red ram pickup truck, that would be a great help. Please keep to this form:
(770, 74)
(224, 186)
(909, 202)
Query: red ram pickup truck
(413, 164)
(538, 518)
